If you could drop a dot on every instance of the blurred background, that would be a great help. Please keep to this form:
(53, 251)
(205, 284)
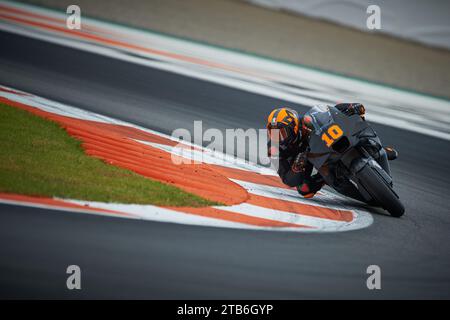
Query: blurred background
(411, 50)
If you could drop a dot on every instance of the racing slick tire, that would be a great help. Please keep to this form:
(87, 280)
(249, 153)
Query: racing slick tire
(381, 191)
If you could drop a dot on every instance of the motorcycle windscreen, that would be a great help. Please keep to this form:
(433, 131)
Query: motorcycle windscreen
(321, 117)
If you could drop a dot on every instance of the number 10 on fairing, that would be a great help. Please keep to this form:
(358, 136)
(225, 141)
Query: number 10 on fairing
(333, 133)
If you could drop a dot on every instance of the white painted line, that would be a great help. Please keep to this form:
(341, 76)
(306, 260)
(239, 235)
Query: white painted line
(66, 209)
(205, 155)
(397, 108)
(321, 224)
(154, 213)
(323, 199)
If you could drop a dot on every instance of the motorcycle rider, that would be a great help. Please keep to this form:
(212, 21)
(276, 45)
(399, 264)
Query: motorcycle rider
(293, 167)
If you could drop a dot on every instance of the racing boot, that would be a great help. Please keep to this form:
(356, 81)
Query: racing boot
(391, 153)
(309, 187)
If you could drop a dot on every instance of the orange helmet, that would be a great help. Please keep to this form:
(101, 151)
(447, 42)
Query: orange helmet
(287, 122)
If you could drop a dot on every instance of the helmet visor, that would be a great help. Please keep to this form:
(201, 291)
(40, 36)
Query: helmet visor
(280, 135)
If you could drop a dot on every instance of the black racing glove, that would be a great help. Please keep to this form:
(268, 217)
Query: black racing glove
(355, 108)
(359, 109)
(299, 164)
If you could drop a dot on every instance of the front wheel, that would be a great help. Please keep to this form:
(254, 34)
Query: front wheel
(380, 191)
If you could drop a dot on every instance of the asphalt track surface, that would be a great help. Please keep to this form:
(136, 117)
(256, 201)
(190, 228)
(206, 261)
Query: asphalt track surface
(122, 258)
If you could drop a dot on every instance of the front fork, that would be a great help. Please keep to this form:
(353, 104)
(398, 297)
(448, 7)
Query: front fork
(383, 161)
(372, 146)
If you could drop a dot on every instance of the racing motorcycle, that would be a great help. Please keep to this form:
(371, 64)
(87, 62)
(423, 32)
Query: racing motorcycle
(347, 153)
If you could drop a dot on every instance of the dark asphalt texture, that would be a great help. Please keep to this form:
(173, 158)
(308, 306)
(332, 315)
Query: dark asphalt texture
(140, 259)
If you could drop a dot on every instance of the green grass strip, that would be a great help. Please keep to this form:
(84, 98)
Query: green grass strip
(39, 158)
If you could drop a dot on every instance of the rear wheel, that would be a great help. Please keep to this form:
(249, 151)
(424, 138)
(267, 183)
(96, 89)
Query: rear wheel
(381, 191)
